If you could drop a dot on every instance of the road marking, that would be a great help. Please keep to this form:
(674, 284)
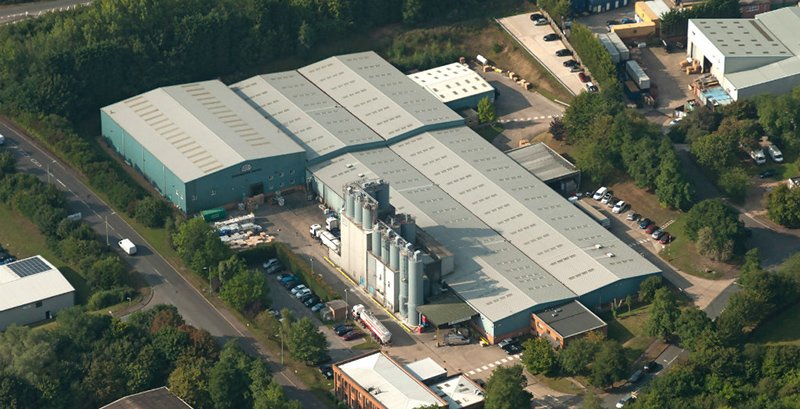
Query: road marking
(485, 368)
(665, 225)
(478, 370)
(491, 365)
(670, 361)
(61, 183)
(471, 373)
(497, 362)
(36, 162)
(504, 360)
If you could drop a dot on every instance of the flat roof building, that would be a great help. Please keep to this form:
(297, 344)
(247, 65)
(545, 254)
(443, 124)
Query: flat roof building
(549, 166)
(460, 392)
(376, 381)
(566, 322)
(426, 370)
(32, 290)
(456, 85)
(749, 56)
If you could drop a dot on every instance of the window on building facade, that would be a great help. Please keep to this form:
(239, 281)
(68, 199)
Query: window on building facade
(38, 304)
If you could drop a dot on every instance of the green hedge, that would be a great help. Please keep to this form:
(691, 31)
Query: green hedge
(105, 298)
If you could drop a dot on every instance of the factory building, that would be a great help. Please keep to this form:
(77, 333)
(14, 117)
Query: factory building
(456, 85)
(32, 290)
(748, 57)
(426, 205)
(201, 146)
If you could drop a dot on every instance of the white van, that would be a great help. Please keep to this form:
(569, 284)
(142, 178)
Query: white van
(758, 156)
(599, 193)
(127, 246)
(775, 153)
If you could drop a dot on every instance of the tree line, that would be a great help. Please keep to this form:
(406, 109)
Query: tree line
(594, 56)
(89, 360)
(607, 137)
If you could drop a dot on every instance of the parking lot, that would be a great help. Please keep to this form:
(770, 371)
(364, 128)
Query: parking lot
(532, 38)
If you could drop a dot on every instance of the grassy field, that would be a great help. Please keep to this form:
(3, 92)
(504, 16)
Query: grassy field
(682, 254)
(629, 328)
(783, 329)
(23, 239)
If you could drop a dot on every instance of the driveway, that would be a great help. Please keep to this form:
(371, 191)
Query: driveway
(665, 360)
(532, 39)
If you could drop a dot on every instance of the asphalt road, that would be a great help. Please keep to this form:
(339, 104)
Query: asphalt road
(21, 11)
(168, 285)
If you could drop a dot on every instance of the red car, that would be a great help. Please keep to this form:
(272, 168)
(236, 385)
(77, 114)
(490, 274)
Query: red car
(666, 238)
(352, 335)
(583, 77)
(651, 228)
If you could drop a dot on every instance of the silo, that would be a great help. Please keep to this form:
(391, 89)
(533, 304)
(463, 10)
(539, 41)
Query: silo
(415, 289)
(394, 255)
(349, 202)
(386, 240)
(403, 282)
(376, 240)
(408, 229)
(358, 210)
(367, 219)
(382, 194)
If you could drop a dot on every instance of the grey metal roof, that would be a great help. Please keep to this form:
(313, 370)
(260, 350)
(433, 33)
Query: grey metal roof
(319, 124)
(742, 38)
(536, 220)
(379, 94)
(789, 67)
(571, 319)
(158, 398)
(783, 24)
(545, 163)
(199, 128)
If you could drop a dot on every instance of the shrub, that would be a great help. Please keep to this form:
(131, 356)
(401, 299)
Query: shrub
(106, 298)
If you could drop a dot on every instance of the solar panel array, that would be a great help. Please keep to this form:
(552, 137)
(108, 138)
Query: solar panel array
(28, 267)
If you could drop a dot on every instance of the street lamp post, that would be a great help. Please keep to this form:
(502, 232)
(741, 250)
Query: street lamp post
(346, 306)
(312, 265)
(106, 220)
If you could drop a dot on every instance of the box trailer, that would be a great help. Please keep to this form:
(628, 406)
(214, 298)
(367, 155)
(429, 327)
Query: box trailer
(610, 48)
(624, 52)
(127, 246)
(594, 213)
(329, 240)
(637, 75)
(211, 215)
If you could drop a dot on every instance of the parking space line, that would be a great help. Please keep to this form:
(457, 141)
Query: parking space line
(485, 368)
(478, 370)
(491, 365)
(504, 360)
(471, 373)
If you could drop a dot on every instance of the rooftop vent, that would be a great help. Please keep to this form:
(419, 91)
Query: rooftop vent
(598, 246)
(610, 255)
(349, 165)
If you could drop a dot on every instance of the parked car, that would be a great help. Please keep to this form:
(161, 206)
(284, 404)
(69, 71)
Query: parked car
(632, 216)
(657, 233)
(311, 301)
(611, 202)
(606, 197)
(513, 348)
(302, 293)
(298, 288)
(275, 313)
(536, 16)
(326, 371)
(342, 329)
(307, 297)
(651, 228)
(767, 173)
(775, 153)
(651, 366)
(644, 223)
(576, 68)
(540, 22)
(758, 156)
(619, 207)
(283, 277)
(627, 20)
(599, 193)
(291, 283)
(666, 238)
(636, 376)
(590, 87)
(583, 77)
(354, 334)
(551, 37)
(317, 307)
(506, 342)
(675, 122)
(563, 52)
(625, 401)
(570, 63)
(271, 262)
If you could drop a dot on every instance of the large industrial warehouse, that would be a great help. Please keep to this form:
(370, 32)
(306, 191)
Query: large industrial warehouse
(427, 205)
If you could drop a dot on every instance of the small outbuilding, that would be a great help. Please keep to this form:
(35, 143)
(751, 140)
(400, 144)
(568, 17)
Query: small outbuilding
(547, 165)
(567, 322)
(427, 371)
(336, 309)
(32, 290)
(457, 85)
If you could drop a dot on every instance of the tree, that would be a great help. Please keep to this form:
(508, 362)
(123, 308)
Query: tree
(726, 232)
(648, 288)
(230, 267)
(715, 152)
(609, 366)
(306, 342)
(691, 323)
(413, 11)
(486, 112)
(672, 188)
(628, 302)
(151, 211)
(783, 206)
(664, 314)
(273, 397)
(198, 245)
(107, 272)
(591, 401)
(228, 381)
(716, 248)
(189, 381)
(539, 356)
(557, 129)
(505, 389)
(306, 36)
(245, 290)
(576, 357)
(594, 158)
(734, 183)
(17, 393)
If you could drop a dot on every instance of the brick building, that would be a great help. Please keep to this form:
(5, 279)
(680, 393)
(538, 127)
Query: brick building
(559, 325)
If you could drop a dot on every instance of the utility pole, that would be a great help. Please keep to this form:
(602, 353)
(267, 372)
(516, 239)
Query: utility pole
(281, 345)
(346, 306)
(107, 242)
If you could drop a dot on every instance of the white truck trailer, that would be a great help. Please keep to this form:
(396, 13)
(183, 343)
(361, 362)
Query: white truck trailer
(127, 246)
(329, 240)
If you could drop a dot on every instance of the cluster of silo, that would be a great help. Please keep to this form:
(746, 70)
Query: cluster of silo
(360, 206)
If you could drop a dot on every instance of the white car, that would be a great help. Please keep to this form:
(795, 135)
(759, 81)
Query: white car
(775, 153)
(607, 197)
(590, 87)
(758, 156)
(540, 22)
(271, 262)
(619, 207)
(299, 288)
(599, 193)
(302, 293)
(2, 139)
(675, 122)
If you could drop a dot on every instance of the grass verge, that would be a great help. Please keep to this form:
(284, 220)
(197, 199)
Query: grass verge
(562, 385)
(782, 329)
(683, 255)
(630, 329)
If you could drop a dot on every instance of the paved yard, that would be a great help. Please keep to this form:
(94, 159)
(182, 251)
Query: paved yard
(532, 38)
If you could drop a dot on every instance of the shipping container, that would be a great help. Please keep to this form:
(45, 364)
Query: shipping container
(213, 214)
(637, 75)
